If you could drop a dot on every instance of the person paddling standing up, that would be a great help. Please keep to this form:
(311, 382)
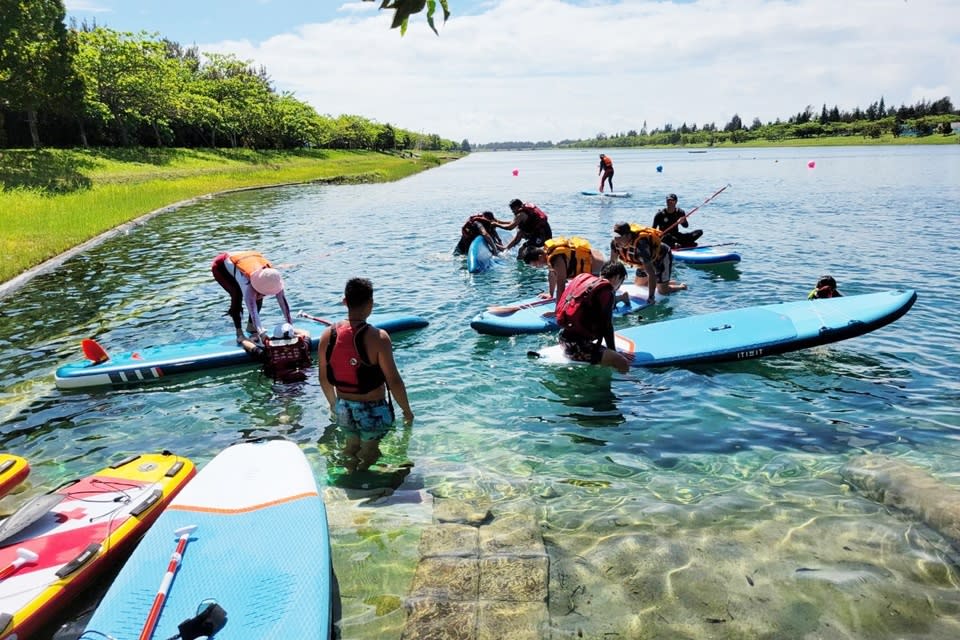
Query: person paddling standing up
(606, 171)
(249, 277)
(531, 224)
(670, 217)
(358, 374)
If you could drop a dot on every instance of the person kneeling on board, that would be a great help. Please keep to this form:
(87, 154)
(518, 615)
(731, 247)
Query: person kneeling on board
(641, 246)
(358, 375)
(564, 259)
(480, 224)
(285, 355)
(670, 217)
(249, 277)
(585, 315)
(531, 224)
(826, 288)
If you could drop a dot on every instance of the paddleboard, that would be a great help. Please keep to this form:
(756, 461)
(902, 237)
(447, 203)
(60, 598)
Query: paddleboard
(479, 256)
(753, 332)
(607, 194)
(536, 315)
(13, 471)
(261, 550)
(76, 532)
(705, 255)
(152, 363)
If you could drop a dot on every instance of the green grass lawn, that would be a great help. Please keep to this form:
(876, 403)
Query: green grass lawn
(53, 199)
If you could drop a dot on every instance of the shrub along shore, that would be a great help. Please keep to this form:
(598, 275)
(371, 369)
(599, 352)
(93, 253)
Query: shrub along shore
(53, 200)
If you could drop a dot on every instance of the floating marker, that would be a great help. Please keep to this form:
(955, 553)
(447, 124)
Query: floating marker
(811, 164)
(516, 172)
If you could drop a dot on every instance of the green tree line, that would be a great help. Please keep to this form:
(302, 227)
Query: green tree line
(91, 86)
(922, 119)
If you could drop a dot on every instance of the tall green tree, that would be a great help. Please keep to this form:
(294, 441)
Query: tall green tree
(36, 56)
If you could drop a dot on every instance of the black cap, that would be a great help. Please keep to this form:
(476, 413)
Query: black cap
(672, 196)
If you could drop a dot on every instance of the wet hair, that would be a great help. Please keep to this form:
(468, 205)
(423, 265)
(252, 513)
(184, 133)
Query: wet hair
(826, 281)
(358, 292)
(516, 203)
(622, 228)
(613, 270)
(488, 215)
(533, 254)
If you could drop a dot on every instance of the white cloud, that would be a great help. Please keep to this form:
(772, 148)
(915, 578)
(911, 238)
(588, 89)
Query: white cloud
(74, 6)
(549, 70)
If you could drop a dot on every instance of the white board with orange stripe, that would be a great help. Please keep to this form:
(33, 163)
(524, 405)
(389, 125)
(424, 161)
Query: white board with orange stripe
(261, 550)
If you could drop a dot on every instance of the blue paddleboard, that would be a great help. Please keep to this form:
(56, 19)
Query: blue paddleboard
(151, 363)
(706, 255)
(479, 256)
(260, 550)
(752, 332)
(535, 315)
(607, 194)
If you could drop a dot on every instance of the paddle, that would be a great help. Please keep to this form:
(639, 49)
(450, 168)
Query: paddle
(304, 314)
(183, 535)
(23, 557)
(692, 211)
(506, 311)
(704, 246)
(93, 351)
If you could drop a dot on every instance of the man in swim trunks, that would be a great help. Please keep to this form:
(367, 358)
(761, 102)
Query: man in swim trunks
(358, 374)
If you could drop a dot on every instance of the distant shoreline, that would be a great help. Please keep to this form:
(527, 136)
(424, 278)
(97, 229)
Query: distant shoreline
(832, 141)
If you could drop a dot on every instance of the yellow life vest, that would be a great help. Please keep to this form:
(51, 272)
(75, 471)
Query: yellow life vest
(575, 251)
(249, 261)
(641, 234)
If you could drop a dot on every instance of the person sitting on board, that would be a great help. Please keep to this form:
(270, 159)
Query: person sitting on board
(249, 277)
(642, 247)
(564, 259)
(585, 315)
(479, 224)
(531, 224)
(671, 217)
(606, 168)
(285, 355)
(358, 375)
(826, 288)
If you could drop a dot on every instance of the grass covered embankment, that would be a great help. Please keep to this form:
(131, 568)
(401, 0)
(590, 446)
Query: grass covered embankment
(52, 200)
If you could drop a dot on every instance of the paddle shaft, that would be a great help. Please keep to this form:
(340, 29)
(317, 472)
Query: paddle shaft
(505, 311)
(154, 616)
(693, 211)
(304, 314)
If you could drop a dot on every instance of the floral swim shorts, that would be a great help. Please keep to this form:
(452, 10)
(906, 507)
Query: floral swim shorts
(369, 420)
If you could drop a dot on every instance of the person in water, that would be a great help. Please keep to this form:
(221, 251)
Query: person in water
(479, 224)
(249, 277)
(566, 258)
(606, 171)
(285, 355)
(531, 224)
(358, 375)
(826, 288)
(585, 313)
(642, 247)
(671, 217)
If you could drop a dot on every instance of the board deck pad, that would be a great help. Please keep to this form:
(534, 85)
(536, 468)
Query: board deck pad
(753, 332)
(261, 550)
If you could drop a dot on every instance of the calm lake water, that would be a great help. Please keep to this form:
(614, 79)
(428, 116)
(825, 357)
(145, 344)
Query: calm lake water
(695, 503)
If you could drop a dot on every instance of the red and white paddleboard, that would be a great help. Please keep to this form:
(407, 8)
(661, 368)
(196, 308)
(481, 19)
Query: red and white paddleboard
(57, 543)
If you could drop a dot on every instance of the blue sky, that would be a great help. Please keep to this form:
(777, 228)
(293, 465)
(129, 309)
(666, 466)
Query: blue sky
(555, 69)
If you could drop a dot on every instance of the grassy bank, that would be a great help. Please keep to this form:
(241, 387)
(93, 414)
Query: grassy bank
(53, 200)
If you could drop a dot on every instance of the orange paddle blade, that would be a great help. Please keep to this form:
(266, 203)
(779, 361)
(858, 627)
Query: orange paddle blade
(93, 351)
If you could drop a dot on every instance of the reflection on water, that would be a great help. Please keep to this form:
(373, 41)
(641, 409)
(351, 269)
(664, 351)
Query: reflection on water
(698, 503)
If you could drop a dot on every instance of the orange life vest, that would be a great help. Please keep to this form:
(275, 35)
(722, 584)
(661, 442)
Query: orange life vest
(641, 234)
(247, 262)
(575, 251)
(607, 163)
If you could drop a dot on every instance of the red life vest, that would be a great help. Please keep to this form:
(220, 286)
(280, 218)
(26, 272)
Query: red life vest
(286, 360)
(578, 308)
(607, 163)
(348, 368)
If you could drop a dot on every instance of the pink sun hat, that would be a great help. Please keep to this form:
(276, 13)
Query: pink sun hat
(267, 281)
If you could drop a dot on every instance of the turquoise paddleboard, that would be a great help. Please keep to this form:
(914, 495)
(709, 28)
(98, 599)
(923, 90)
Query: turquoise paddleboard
(155, 362)
(479, 256)
(706, 255)
(535, 315)
(260, 550)
(752, 332)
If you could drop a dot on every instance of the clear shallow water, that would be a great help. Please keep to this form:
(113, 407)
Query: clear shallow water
(700, 502)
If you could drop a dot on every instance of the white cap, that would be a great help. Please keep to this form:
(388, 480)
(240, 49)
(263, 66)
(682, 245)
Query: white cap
(283, 330)
(267, 281)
